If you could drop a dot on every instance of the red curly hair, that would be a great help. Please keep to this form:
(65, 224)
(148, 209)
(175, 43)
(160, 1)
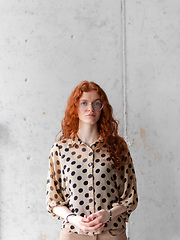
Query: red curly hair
(107, 125)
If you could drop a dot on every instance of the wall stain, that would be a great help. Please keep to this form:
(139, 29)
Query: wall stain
(136, 144)
(42, 237)
(143, 136)
(157, 156)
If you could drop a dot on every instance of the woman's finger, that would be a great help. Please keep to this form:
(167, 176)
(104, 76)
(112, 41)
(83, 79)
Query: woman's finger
(93, 216)
(94, 228)
(84, 220)
(92, 223)
(99, 227)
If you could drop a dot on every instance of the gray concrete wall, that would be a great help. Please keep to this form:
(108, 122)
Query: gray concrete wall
(46, 49)
(153, 58)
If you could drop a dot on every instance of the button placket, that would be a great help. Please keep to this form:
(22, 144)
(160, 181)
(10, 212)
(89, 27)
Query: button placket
(91, 181)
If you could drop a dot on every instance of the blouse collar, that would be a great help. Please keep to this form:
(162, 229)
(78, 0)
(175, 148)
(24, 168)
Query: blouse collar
(77, 141)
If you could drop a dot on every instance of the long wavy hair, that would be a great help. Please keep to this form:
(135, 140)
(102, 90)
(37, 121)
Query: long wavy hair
(107, 125)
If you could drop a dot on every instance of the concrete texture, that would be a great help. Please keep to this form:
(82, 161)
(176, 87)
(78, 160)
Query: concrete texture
(46, 49)
(153, 57)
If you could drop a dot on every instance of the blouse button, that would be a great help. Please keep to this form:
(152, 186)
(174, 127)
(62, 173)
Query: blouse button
(90, 164)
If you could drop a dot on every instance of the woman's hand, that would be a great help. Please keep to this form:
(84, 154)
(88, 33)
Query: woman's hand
(85, 224)
(101, 216)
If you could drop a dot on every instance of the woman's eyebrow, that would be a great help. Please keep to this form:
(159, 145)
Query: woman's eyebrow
(88, 101)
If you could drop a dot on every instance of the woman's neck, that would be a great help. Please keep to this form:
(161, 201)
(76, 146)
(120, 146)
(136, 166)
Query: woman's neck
(88, 133)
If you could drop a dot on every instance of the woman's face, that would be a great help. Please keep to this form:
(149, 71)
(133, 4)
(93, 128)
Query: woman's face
(86, 113)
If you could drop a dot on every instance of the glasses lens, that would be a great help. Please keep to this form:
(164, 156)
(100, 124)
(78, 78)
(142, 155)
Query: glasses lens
(97, 106)
(83, 105)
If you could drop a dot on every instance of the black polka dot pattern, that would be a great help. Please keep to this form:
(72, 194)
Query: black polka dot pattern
(82, 178)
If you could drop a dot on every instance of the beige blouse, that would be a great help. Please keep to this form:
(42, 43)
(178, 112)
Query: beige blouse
(81, 178)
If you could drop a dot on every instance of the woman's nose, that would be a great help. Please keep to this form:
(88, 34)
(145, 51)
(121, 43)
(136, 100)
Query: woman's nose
(90, 107)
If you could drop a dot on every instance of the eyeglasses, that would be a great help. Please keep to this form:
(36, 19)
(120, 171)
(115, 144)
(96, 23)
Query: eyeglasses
(96, 105)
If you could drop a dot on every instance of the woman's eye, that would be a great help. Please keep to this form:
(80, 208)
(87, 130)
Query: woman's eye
(83, 103)
(97, 104)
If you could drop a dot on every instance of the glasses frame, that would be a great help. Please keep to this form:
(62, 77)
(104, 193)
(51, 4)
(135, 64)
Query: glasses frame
(91, 103)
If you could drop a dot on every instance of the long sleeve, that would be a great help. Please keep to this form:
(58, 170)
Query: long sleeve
(55, 185)
(126, 183)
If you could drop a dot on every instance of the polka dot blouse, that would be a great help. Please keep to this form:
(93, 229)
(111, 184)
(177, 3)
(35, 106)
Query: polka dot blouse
(81, 178)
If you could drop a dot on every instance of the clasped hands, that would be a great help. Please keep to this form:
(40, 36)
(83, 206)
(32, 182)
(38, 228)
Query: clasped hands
(92, 223)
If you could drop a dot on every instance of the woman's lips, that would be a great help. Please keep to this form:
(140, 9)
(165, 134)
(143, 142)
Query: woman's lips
(90, 115)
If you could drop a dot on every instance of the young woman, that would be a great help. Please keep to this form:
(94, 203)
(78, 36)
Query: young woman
(91, 182)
